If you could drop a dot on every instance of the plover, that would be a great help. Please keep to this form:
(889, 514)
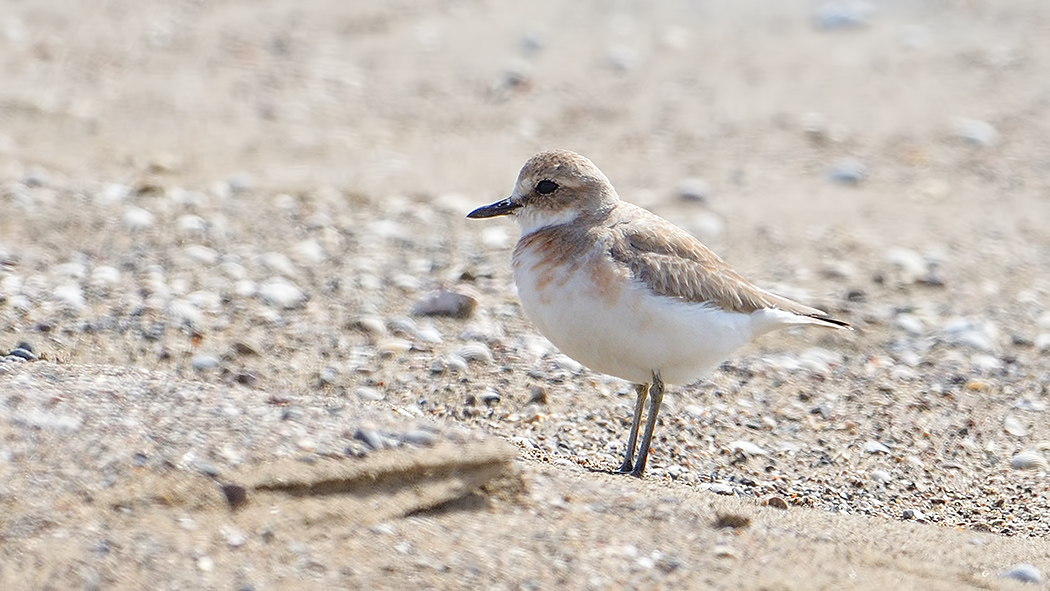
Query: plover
(625, 292)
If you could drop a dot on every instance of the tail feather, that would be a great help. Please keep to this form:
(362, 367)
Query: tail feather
(825, 320)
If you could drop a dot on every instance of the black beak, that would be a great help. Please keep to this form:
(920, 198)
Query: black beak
(498, 208)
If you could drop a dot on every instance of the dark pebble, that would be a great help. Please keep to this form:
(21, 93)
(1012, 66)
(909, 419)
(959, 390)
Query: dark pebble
(538, 395)
(856, 295)
(732, 521)
(236, 495)
(24, 351)
(245, 378)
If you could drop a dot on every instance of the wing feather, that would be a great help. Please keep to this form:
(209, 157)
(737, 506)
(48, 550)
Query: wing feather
(673, 263)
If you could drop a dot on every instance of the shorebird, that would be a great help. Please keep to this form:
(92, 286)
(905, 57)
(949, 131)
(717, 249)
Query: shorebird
(625, 292)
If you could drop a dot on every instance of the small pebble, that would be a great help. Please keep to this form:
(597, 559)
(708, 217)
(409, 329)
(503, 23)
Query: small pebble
(1030, 405)
(232, 268)
(205, 362)
(747, 448)
(694, 190)
(454, 363)
(532, 42)
(976, 132)
(706, 225)
(838, 270)
(372, 325)
(246, 288)
(71, 296)
(490, 397)
(874, 447)
(370, 437)
(909, 265)
(36, 176)
(385, 528)
(282, 293)
(191, 225)
(234, 537)
(24, 351)
(309, 253)
(429, 334)
(420, 437)
(366, 393)
(71, 270)
(721, 488)
(136, 219)
(1029, 460)
(236, 495)
(112, 193)
(848, 171)
(474, 352)
(725, 552)
(438, 365)
(201, 254)
(240, 182)
(913, 514)
(909, 323)
(1014, 427)
(986, 363)
(245, 348)
(776, 503)
(1026, 573)
(207, 468)
(392, 347)
(105, 276)
(881, 476)
(622, 58)
(843, 14)
(538, 394)
(185, 311)
(567, 363)
(731, 521)
(446, 303)
(278, 263)
(328, 375)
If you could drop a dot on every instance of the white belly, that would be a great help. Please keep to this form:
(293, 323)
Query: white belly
(633, 333)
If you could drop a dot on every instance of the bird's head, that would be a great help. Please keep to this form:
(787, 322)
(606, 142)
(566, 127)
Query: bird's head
(553, 188)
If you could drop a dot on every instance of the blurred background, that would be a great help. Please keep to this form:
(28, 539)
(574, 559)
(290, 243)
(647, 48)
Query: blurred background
(926, 107)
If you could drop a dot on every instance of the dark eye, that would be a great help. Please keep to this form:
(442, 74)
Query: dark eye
(546, 187)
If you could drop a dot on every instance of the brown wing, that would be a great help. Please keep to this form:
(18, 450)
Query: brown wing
(675, 264)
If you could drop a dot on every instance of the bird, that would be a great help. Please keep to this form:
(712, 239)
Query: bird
(627, 293)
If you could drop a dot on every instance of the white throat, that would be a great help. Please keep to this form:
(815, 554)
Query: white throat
(530, 220)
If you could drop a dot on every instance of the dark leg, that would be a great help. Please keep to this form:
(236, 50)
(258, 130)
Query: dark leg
(642, 390)
(656, 397)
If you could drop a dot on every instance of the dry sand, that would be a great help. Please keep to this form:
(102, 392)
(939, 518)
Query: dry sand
(216, 220)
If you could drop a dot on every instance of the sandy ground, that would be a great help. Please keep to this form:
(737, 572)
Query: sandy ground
(217, 219)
